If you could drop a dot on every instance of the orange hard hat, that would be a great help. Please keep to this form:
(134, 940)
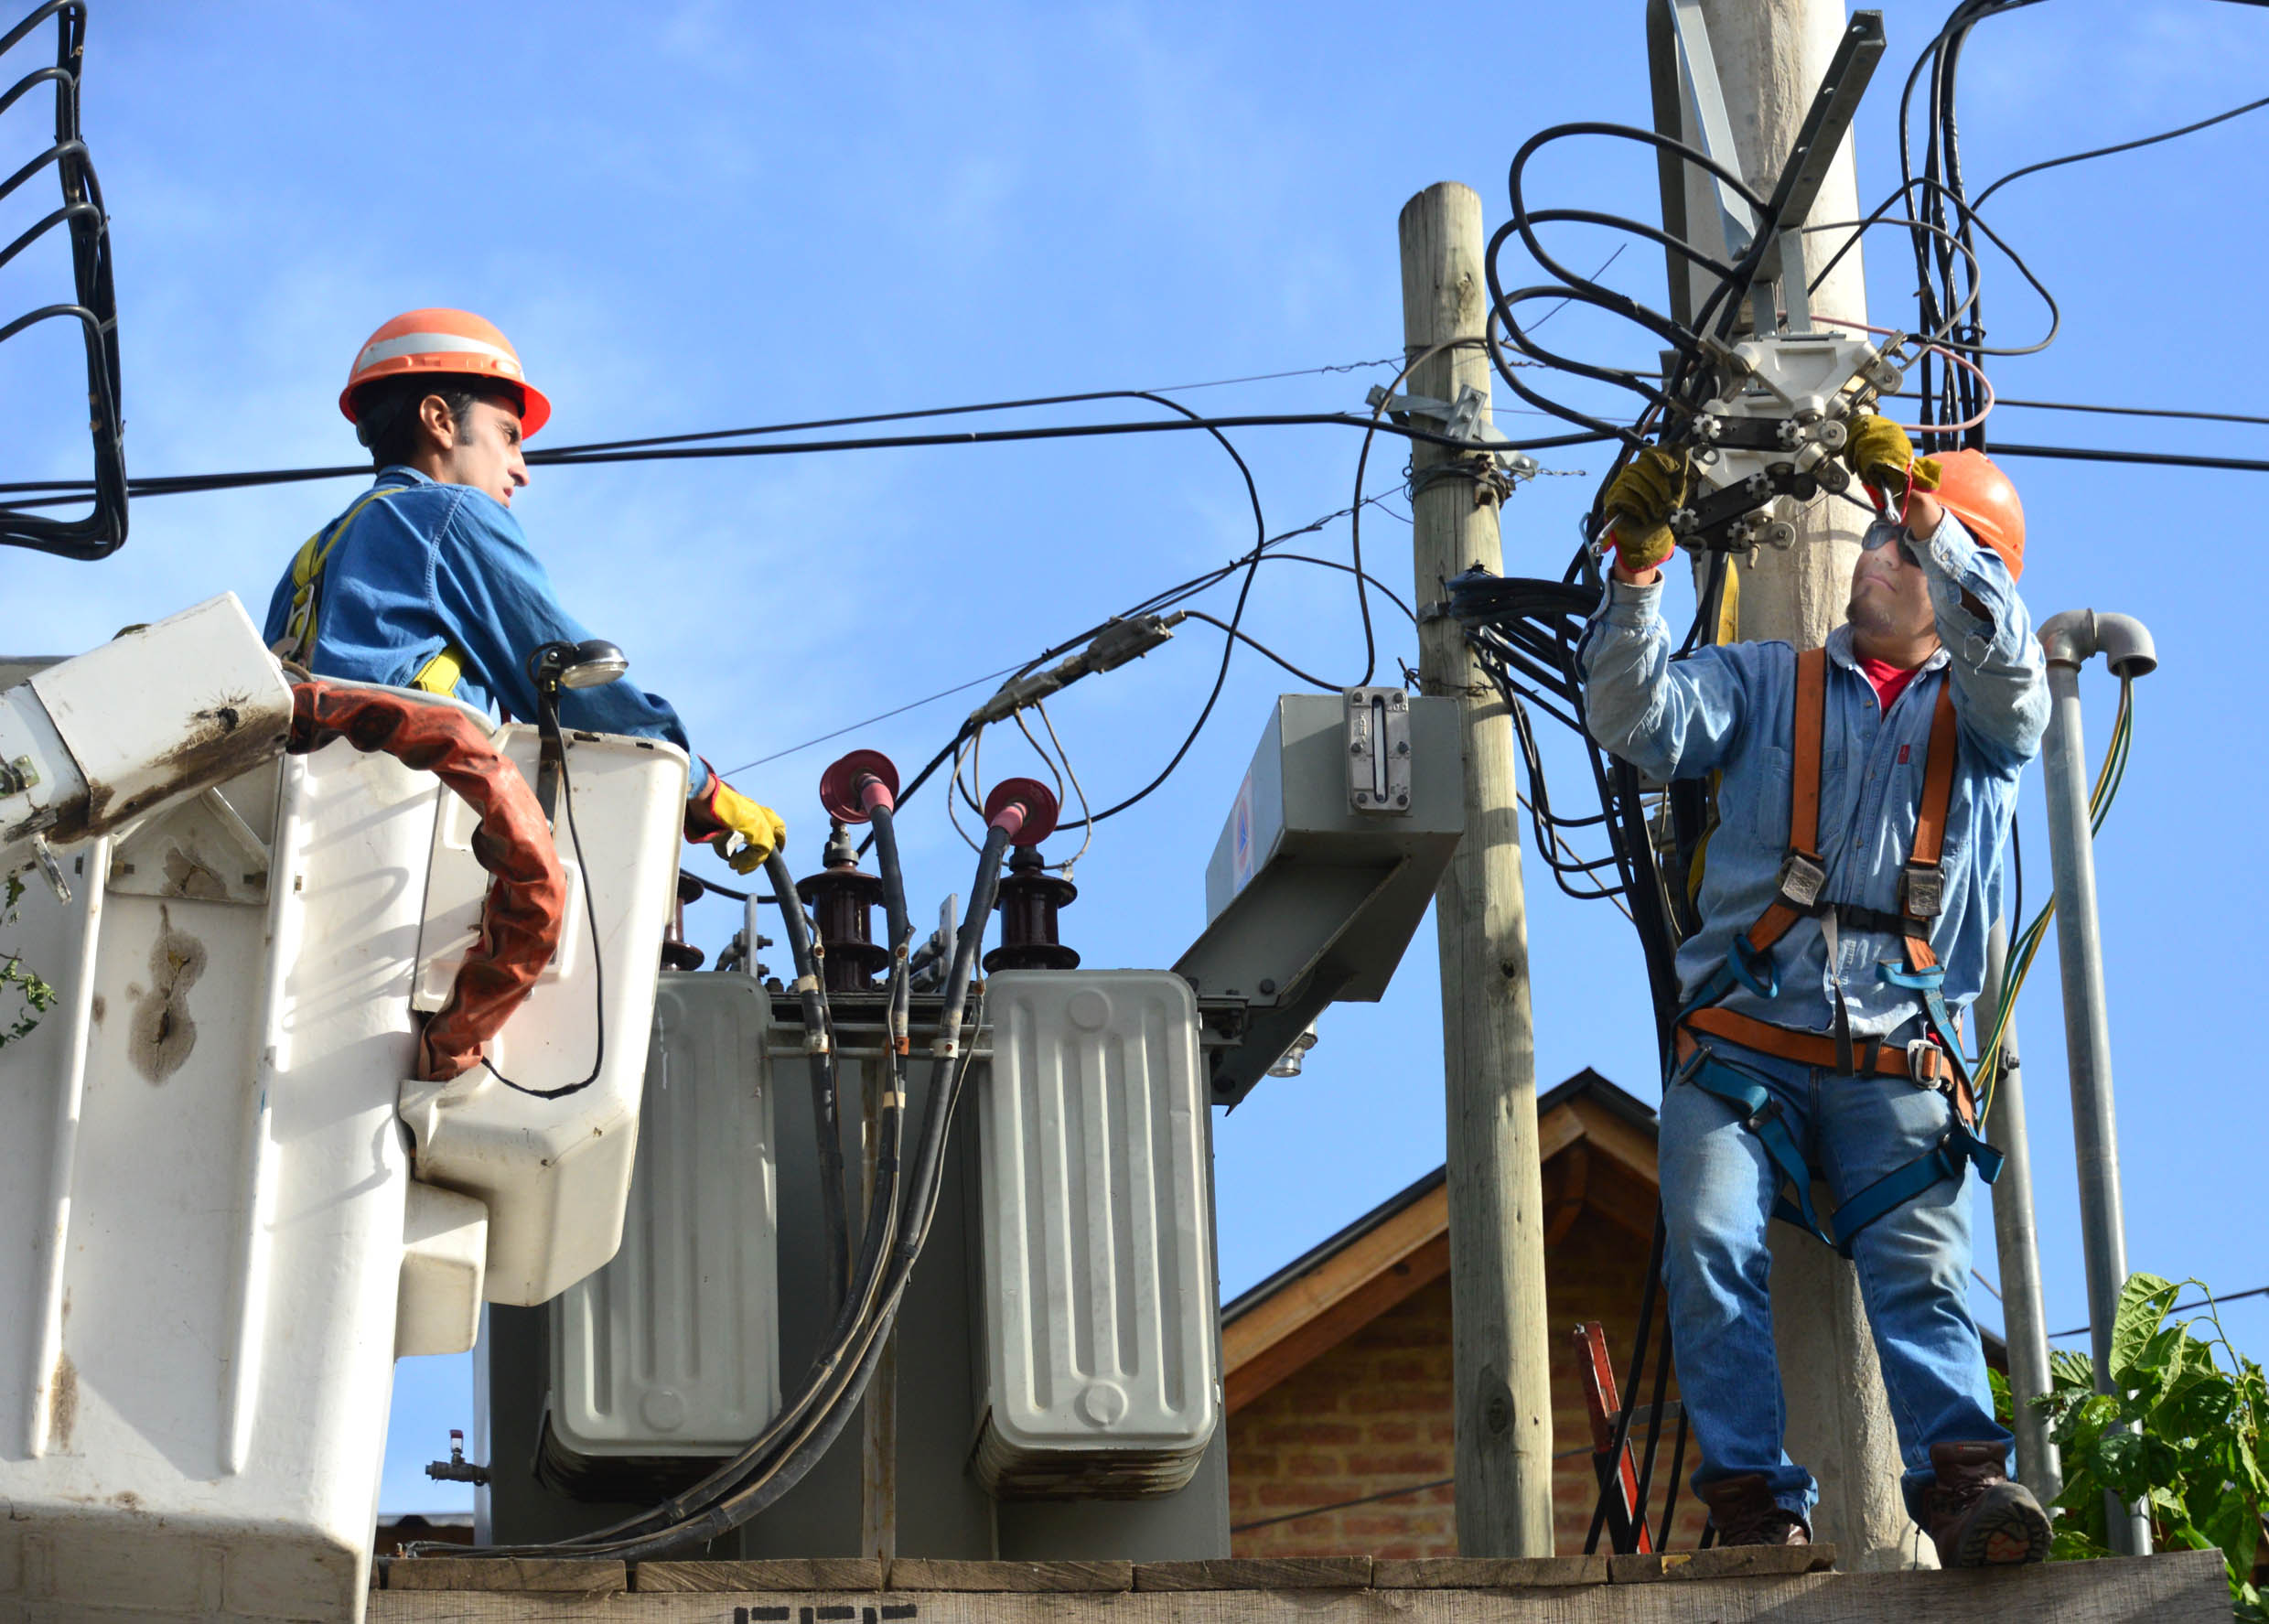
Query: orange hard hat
(444, 341)
(1980, 495)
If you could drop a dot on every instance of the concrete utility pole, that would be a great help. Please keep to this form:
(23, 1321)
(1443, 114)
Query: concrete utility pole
(1770, 56)
(1496, 1187)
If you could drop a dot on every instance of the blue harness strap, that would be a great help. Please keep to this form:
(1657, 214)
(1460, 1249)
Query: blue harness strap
(1762, 1114)
(1957, 1150)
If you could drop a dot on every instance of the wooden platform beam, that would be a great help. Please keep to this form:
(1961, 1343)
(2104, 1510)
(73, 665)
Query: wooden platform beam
(1744, 1586)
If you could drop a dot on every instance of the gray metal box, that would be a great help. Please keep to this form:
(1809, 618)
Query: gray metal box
(1309, 899)
(673, 1350)
(1102, 1350)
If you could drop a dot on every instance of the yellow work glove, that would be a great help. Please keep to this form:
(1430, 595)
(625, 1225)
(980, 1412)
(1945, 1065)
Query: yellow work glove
(1641, 501)
(743, 833)
(1879, 452)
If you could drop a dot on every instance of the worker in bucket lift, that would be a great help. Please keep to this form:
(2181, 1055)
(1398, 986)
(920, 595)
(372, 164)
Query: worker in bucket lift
(1863, 805)
(425, 581)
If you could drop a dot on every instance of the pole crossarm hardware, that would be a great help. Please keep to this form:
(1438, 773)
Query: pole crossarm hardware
(1460, 419)
(1774, 422)
(1824, 127)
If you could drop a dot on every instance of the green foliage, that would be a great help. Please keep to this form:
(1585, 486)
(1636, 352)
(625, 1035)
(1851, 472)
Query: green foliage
(34, 993)
(2183, 1432)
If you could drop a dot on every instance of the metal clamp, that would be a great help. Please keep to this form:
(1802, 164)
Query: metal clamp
(1460, 420)
(1922, 890)
(1378, 744)
(1803, 878)
(1925, 1061)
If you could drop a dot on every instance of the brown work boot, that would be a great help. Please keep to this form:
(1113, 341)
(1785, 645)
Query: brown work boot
(1745, 1513)
(1977, 1517)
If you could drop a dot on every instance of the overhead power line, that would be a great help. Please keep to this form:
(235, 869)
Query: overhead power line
(2105, 152)
(574, 457)
(2173, 459)
(2214, 1302)
(2004, 399)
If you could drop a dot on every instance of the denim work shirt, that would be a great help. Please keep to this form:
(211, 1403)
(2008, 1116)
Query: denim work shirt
(1731, 710)
(436, 566)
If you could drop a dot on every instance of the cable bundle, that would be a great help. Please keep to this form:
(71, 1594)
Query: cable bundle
(93, 305)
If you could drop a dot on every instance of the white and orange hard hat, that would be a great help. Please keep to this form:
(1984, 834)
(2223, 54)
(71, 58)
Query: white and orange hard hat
(444, 341)
(1985, 501)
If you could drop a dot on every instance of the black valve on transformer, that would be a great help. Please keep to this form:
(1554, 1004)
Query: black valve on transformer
(1029, 901)
(677, 954)
(843, 897)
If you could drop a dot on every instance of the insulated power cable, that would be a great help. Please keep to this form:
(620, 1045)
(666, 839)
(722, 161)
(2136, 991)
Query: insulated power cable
(576, 456)
(2214, 1300)
(1171, 596)
(2010, 400)
(92, 307)
(2105, 152)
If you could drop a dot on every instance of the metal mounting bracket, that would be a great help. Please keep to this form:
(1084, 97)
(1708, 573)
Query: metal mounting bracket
(1783, 281)
(1460, 419)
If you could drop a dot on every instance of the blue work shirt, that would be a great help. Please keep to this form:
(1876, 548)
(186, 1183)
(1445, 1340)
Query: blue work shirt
(433, 566)
(1731, 710)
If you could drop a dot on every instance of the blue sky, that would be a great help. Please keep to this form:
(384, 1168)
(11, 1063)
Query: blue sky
(701, 215)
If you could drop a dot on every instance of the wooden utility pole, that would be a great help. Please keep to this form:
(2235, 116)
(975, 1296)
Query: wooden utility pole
(1771, 55)
(1496, 1236)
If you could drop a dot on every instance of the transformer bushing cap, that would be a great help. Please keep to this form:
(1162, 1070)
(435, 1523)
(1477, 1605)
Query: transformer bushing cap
(839, 785)
(1039, 802)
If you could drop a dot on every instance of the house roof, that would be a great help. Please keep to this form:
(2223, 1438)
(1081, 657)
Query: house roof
(1587, 1084)
(1598, 1145)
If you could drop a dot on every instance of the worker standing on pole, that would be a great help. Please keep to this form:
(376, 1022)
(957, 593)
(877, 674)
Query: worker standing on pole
(426, 581)
(1864, 800)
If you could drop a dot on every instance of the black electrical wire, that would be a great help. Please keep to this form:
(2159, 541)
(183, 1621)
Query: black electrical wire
(93, 304)
(1262, 648)
(598, 962)
(188, 484)
(1167, 598)
(2005, 400)
(2172, 460)
(773, 1464)
(2105, 152)
(811, 990)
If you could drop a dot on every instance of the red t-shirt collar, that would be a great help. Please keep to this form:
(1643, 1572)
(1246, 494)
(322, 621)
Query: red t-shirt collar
(1888, 681)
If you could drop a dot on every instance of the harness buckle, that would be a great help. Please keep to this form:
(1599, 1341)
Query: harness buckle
(1803, 878)
(1922, 890)
(1769, 1112)
(1924, 1063)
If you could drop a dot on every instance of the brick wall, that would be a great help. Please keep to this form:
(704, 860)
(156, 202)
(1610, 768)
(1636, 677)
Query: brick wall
(1374, 1415)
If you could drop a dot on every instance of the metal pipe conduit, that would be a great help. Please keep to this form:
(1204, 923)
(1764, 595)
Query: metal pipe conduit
(2071, 640)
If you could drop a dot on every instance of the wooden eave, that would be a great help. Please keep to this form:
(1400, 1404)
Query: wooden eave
(1594, 1157)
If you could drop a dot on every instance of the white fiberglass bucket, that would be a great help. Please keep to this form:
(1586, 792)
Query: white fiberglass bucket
(217, 1247)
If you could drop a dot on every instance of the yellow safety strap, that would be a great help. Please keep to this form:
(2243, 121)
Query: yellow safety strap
(440, 674)
(297, 642)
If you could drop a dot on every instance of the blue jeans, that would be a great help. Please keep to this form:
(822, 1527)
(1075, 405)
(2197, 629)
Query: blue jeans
(1718, 1186)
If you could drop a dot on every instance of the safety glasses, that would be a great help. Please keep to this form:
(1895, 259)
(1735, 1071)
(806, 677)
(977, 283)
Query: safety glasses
(1882, 532)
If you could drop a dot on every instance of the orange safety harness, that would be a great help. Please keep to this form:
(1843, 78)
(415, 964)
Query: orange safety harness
(1934, 1061)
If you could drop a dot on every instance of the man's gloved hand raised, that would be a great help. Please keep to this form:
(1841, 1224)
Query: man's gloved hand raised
(1879, 452)
(743, 833)
(1641, 501)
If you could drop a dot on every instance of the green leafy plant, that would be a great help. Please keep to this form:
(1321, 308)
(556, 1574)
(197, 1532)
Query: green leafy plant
(2183, 1433)
(33, 992)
